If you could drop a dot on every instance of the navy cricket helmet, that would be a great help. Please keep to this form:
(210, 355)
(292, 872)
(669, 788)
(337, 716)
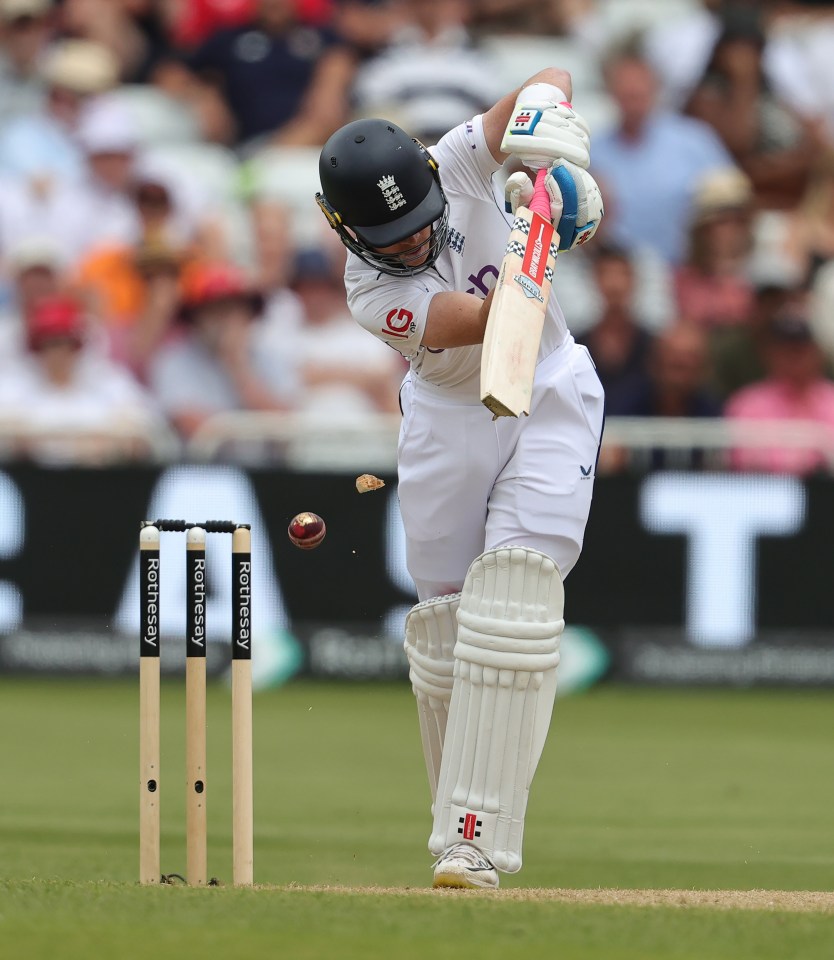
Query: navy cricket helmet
(380, 187)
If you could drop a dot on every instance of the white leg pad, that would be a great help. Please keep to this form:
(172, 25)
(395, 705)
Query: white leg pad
(509, 623)
(430, 636)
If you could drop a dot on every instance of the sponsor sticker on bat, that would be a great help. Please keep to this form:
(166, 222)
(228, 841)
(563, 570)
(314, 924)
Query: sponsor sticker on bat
(528, 288)
(538, 245)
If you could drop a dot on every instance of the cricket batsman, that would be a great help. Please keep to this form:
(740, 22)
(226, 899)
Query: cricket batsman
(494, 510)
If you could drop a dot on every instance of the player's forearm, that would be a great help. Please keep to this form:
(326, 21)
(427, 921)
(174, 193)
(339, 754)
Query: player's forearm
(456, 320)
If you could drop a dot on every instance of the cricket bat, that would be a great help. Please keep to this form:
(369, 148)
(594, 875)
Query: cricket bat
(516, 315)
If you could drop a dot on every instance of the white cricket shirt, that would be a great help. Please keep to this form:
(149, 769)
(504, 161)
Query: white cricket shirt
(395, 308)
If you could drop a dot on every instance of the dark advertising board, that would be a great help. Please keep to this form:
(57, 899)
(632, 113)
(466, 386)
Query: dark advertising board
(686, 578)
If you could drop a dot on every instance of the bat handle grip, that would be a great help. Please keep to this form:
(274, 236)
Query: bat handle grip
(540, 202)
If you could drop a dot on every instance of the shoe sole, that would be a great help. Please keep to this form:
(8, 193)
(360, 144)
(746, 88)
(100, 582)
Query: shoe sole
(457, 881)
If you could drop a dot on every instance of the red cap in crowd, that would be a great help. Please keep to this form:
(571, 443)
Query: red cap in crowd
(197, 20)
(210, 282)
(55, 318)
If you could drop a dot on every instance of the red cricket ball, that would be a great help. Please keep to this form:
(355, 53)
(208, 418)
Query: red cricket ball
(306, 530)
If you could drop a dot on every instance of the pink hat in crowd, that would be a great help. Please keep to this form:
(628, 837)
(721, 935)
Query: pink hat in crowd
(55, 318)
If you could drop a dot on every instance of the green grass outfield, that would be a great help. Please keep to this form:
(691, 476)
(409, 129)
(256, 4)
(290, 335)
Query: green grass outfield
(638, 791)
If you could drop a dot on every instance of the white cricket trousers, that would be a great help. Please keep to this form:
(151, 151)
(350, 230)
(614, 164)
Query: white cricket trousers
(468, 483)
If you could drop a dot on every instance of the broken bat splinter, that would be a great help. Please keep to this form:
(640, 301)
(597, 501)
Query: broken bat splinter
(368, 482)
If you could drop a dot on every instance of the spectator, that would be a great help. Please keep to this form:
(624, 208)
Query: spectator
(133, 281)
(430, 77)
(798, 59)
(216, 365)
(152, 34)
(803, 243)
(794, 388)
(556, 18)
(144, 33)
(367, 25)
(797, 55)
(676, 386)
(821, 312)
(274, 243)
(41, 147)
(112, 274)
(64, 387)
(274, 255)
(36, 272)
(141, 34)
(679, 48)
(343, 377)
(654, 299)
(109, 23)
(618, 344)
(136, 289)
(737, 353)
(650, 162)
(107, 135)
(306, 70)
(807, 234)
(91, 209)
(192, 23)
(770, 141)
(25, 34)
(712, 285)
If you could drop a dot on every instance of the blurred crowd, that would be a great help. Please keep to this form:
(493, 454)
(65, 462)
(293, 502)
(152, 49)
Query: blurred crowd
(162, 259)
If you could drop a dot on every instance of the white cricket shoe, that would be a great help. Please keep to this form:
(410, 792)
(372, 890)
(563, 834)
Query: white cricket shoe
(464, 866)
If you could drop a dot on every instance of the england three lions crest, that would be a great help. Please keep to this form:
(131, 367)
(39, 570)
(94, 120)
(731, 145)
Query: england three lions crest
(391, 192)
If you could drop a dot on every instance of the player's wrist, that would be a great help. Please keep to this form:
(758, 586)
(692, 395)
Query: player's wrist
(541, 93)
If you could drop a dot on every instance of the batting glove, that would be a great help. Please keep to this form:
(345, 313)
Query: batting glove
(518, 192)
(582, 208)
(575, 201)
(542, 130)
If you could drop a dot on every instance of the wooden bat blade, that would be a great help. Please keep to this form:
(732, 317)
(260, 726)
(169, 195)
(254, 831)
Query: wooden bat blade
(516, 316)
